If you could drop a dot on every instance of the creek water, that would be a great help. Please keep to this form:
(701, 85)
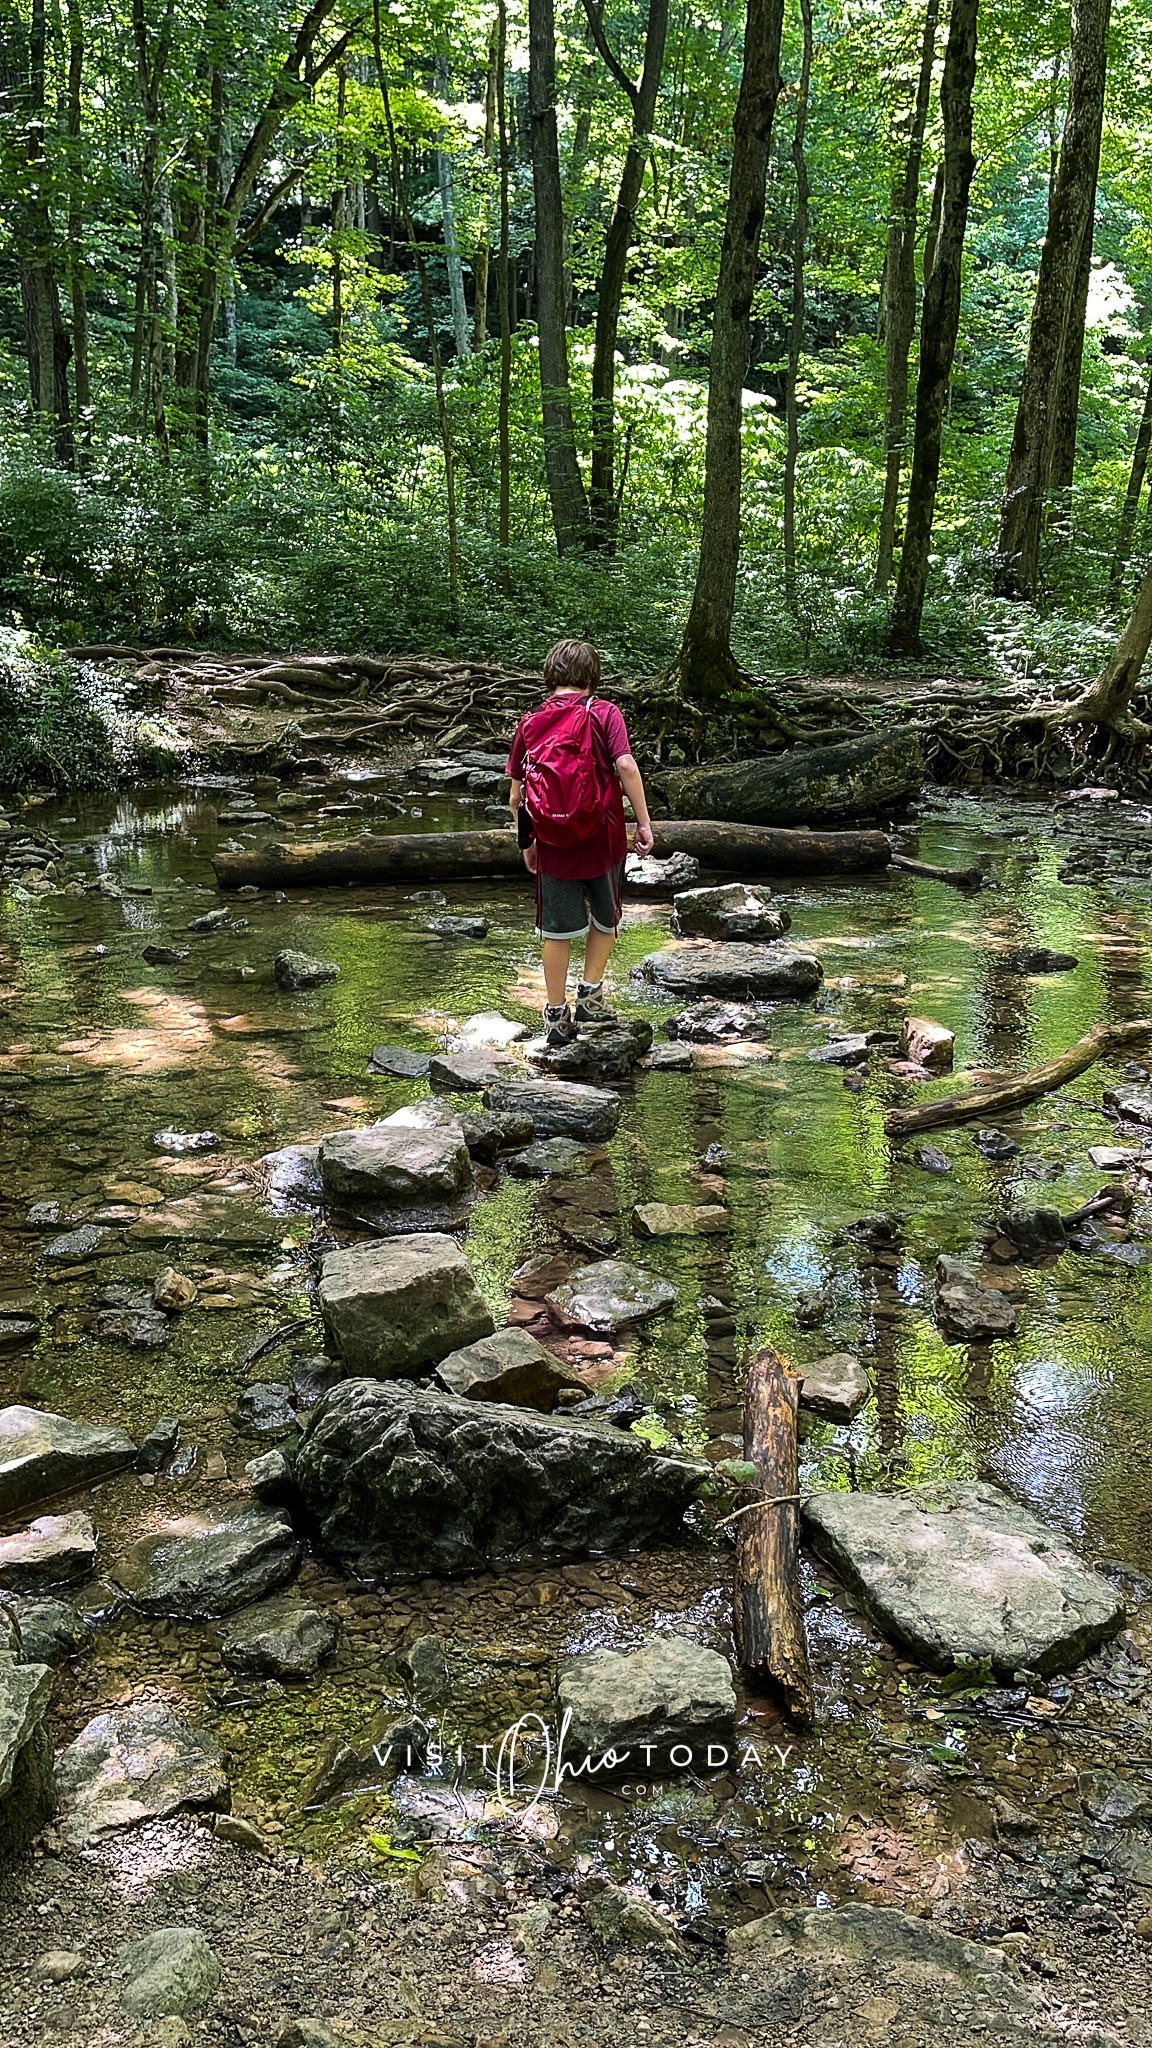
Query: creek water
(102, 1053)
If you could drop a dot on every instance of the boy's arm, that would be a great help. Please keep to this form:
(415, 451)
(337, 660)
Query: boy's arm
(515, 796)
(632, 785)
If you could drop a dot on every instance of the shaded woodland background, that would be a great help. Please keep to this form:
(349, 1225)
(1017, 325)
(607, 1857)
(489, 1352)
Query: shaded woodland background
(391, 328)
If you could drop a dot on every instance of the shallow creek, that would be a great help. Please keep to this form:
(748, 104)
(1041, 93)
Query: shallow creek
(102, 1053)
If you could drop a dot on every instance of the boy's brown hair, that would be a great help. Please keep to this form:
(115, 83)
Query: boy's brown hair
(572, 665)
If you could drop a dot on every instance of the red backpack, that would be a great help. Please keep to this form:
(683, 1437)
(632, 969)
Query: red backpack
(565, 789)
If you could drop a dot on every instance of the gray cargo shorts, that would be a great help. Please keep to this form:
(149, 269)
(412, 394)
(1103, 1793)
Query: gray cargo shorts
(563, 908)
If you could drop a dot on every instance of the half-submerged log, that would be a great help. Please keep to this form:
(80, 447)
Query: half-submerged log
(959, 878)
(467, 856)
(767, 1612)
(998, 1096)
(806, 786)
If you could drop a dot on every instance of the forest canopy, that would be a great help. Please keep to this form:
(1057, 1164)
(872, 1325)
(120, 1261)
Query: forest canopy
(393, 326)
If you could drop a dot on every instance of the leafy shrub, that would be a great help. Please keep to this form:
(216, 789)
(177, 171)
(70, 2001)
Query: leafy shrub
(68, 725)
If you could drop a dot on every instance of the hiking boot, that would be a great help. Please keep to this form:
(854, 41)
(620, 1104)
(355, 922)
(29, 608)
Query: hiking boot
(590, 1005)
(558, 1026)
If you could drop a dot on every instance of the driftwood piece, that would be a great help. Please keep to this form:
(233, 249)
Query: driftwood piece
(460, 856)
(767, 1612)
(960, 878)
(771, 849)
(993, 1100)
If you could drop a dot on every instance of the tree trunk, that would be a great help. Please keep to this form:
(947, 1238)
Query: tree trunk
(1108, 700)
(1069, 220)
(767, 1610)
(446, 180)
(148, 350)
(619, 240)
(480, 261)
(76, 271)
(939, 321)
(1066, 417)
(1127, 522)
(707, 666)
(504, 447)
(566, 492)
(900, 302)
(796, 328)
(22, 118)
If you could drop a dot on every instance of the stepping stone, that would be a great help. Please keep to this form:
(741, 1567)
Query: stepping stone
(965, 1309)
(612, 1295)
(43, 1454)
(931, 1159)
(733, 911)
(978, 1579)
(203, 1566)
(644, 875)
(395, 1167)
(488, 1027)
(700, 967)
(466, 1073)
(280, 1639)
(508, 1366)
(1134, 1105)
(458, 927)
(399, 1061)
(668, 1059)
(671, 1694)
(141, 1764)
(712, 1023)
(294, 1171)
(51, 1552)
(835, 1388)
(1113, 1158)
(602, 1055)
(993, 1144)
(403, 1480)
(679, 1219)
(559, 1109)
(401, 1306)
(844, 1052)
(295, 971)
(927, 1044)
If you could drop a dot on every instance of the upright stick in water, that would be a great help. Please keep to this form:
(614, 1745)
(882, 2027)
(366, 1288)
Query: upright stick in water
(769, 1622)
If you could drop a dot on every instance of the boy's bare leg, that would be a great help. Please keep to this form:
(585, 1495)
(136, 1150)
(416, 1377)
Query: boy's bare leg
(597, 946)
(557, 954)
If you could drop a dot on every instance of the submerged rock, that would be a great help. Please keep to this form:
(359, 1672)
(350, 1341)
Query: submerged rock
(281, 1638)
(1036, 960)
(508, 1366)
(668, 1059)
(170, 1971)
(50, 1552)
(164, 956)
(399, 1061)
(845, 1052)
(931, 1159)
(550, 1156)
(202, 1566)
(835, 1387)
(993, 1144)
(679, 1219)
(138, 1765)
(644, 875)
(396, 1168)
(403, 1481)
(558, 1109)
(396, 1307)
(295, 971)
(712, 1023)
(618, 1917)
(668, 1695)
(612, 1295)
(1033, 1231)
(977, 1579)
(42, 1454)
(733, 911)
(458, 927)
(703, 967)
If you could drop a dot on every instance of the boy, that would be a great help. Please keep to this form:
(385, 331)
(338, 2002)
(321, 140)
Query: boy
(571, 768)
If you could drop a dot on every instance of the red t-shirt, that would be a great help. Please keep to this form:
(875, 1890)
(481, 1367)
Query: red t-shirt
(609, 843)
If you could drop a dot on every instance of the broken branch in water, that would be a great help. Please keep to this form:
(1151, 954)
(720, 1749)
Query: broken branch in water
(767, 1612)
(993, 1100)
(960, 878)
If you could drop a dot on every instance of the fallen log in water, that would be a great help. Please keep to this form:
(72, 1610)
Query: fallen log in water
(465, 856)
(999, 1096)
(767, 1612)
(771, 849)
(960, 878)
(805, 786)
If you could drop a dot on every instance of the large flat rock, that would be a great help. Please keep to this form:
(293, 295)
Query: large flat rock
(640, 1704)
(50, 1552)
(402, 1305)
(922, 1969)
(395, 1167)
(207, 1219)
(202, 1566)
(711, 967)
(404, 1482)
(732, 911)
(611, 1295)
(977, 1579)
(558, 1109)
(139, 1765)
(43, 1454)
